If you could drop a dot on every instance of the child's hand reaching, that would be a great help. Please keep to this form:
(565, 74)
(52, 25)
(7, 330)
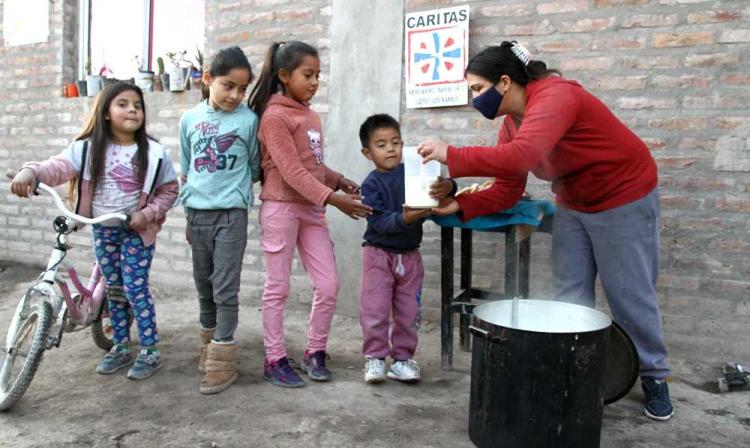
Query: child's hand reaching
(441, 188)
(348, 186)
(350, 205)
(23, 183)
(412, 215)
(448, 206)
(138, 222)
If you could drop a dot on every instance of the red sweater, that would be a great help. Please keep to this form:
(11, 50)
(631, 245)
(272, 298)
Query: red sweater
(571, 138)
(291, 146)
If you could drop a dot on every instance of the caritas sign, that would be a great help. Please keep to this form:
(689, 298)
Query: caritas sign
(437, 43)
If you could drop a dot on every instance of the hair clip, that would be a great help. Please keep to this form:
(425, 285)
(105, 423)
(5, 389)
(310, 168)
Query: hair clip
(521, 53)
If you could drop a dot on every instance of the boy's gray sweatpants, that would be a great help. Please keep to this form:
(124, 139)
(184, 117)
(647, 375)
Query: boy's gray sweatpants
(621, 245)
(218, 239)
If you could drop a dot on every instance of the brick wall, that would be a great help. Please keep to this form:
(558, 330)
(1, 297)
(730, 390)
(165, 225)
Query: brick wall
(675, 71)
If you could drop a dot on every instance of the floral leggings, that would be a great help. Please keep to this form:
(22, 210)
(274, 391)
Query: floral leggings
(125, 263)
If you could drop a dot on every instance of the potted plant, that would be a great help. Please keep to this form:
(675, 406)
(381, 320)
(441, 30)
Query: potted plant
(93, 82)
(159, 79)
(178, 76)
(145, 78)
(107, 76)
(196, 72)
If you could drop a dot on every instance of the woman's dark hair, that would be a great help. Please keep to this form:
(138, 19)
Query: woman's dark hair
(281, 55)
(225, 61)
(496, 61)
(373, 123)
(98, 130)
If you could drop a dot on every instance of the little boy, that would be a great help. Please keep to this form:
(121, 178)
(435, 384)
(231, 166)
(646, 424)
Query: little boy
(392, 270)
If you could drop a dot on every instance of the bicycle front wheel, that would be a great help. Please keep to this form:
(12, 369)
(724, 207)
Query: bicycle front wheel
(22, 356)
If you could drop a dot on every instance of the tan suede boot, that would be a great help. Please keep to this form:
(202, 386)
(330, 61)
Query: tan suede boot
(221, 368)
(206, 336)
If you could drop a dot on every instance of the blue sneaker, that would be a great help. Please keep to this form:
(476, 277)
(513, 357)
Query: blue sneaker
(118, 357)
(147, 362)
(281, 374)
(314, 365)
(658, 404)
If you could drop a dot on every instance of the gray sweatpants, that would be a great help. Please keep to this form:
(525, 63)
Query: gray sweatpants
(218, 239)
(621, 245)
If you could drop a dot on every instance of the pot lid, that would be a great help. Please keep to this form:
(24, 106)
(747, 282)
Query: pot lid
(622, 366)
(542, 316)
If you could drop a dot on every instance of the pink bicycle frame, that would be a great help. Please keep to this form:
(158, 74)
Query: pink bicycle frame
(84, 311)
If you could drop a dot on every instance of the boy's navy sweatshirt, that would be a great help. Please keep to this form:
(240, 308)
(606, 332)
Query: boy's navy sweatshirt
(384, 192)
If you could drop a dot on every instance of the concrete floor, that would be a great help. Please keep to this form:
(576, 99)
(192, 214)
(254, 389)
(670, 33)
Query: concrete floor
(68, 405)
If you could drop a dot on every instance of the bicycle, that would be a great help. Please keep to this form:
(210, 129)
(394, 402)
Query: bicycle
(43, 309)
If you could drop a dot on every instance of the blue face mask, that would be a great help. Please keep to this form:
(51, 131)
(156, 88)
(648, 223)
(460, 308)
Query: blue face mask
(488, 103)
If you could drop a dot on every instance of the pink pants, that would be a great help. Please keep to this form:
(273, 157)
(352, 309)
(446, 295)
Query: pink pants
(391, 283)
(284, 226)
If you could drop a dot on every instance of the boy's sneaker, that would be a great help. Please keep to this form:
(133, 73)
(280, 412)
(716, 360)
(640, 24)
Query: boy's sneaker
(118, 357)
(281, 374)
(314, 365)
(147, 362)
(658, 404)
(404, 371)
(374, 370)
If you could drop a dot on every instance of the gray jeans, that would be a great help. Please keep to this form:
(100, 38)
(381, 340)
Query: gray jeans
(218, 239)
(621, 245)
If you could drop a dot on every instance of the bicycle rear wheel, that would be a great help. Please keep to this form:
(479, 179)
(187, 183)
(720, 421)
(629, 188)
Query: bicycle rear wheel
(19, 363)
(101, 328)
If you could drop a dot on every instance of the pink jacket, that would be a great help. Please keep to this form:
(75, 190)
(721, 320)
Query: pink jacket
(291, 144)
(157, 197)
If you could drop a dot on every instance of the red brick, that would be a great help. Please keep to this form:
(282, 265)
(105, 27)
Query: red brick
(682, 202)
(562, 6)
(684, 81)
(712, 60)
(639, 62)
(655, 144)
(516, 10)
(587, 64)
(606, 3)
(733, 204)
(734, 36)
(691, 143)
(529, 29)
(733, 122)
(650, 20)
(587, 25)
(619, 82)
(671, 40)
(736, 79)
(713, 16)
(676, 162)
(607, 43)
(558, 46)
(728, 245)
(646, 103)
(678, 123)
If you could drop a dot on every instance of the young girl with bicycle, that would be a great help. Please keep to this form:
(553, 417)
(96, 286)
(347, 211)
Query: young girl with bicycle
(220, 161)
(119, 169)
(297, 186)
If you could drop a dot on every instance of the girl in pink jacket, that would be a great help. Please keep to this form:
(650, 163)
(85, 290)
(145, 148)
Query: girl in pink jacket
(118, 169)
(297, 185)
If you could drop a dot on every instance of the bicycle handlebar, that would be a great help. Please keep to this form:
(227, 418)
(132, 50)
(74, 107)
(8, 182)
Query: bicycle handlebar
(64, 210)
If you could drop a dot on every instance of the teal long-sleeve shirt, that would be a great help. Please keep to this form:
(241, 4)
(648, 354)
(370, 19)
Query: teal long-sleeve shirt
(219, 156)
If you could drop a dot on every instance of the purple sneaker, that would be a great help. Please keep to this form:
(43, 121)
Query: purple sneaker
(314, 364)
(281, 374)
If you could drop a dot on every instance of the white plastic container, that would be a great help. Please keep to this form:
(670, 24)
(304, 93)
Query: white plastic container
(418, 177)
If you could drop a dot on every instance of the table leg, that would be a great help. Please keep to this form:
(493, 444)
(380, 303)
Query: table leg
(511, 264)
(446, 293)
(524, 258)
(466, 268)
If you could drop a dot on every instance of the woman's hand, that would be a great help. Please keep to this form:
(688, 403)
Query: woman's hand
(350, 204)
(187, 234)
(138, 222)
(23, 183)
(441, 188)
(431, 149)
(448, 206)
(412, 215)
(347, 186)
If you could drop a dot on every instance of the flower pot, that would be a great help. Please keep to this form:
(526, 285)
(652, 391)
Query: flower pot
(145, 80)
(157, 86)
(177, 80)
(165, 81)
(93, 85)
(81, 87)
(106, 82)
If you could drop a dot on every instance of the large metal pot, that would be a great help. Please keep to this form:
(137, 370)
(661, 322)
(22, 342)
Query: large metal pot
(537, 374)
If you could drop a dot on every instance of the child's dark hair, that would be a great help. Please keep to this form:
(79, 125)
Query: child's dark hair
(99, 132)
(373, 123)
(496, 61)
(281, 55)
(225, 61)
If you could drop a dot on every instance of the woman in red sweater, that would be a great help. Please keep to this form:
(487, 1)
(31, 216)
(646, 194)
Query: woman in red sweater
(605, 181)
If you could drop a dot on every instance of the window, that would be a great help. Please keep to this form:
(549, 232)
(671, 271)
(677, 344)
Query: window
(123, 37)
